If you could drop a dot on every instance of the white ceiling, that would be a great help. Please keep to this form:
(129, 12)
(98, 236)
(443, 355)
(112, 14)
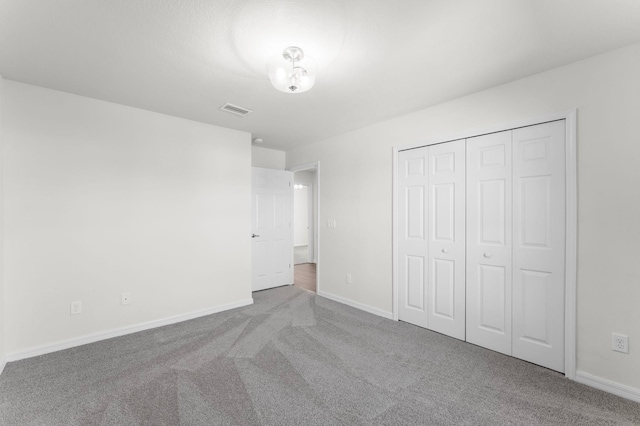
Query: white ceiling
(378, 58)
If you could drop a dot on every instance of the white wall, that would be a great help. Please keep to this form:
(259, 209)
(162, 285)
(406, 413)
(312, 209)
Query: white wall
(357, 192)
(310, 178)
(2, 309)
(301, 216)
(102, 199)
(267, 158)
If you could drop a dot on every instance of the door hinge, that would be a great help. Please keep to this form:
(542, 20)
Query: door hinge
(289, 266)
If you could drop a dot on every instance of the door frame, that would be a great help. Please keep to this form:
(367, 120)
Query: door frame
(315, 165)
(571, 217)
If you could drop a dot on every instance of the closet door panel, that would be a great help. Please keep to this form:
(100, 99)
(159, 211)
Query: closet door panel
(447, 238)
(539, 244)
(489, 229)
(413, 245)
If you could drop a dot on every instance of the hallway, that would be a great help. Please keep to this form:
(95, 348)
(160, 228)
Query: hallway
(305, 276)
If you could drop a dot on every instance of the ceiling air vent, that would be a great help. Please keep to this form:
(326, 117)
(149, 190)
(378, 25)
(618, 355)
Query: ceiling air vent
(235, 109)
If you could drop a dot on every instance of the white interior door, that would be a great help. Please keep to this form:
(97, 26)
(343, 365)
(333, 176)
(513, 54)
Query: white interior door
(446, 235)
(413, 245)
(271, 228)
(489, 226)
(539, 244)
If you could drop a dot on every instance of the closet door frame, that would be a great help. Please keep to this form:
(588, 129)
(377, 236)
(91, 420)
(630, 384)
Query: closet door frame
(570, 218)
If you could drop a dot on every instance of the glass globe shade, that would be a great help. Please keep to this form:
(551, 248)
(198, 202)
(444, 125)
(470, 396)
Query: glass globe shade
(292, 75)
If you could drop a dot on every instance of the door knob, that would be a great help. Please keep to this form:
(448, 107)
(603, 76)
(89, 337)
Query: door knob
(254, 235)
(445, 251)
(487, 255)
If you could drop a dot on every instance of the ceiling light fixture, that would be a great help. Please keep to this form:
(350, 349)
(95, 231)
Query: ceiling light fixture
(292, 72)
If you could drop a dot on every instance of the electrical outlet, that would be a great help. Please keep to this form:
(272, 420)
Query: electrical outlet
(126, 298)
(76, 307)
(620, 343)
(348, 278)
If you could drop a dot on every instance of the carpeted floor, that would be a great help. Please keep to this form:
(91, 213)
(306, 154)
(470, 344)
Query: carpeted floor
(294, 358)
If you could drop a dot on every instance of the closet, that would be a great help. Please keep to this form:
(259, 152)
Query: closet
(481, 240)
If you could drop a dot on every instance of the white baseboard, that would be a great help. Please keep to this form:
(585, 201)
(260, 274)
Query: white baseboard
(607, 385)
(357, 305)
(116, 332)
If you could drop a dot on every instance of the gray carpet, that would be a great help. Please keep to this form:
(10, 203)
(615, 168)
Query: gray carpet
(294, 358)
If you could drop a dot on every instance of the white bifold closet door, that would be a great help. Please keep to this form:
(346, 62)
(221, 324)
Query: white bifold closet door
(489, 221)
(516, 243)
(431, 224)
(481, 241)
(446, 301)
(413, 246)
(539, 244)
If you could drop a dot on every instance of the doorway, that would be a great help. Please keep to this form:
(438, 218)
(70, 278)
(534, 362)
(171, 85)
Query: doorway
(305, 226)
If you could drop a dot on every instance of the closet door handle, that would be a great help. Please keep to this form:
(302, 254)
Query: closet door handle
(445, 251)
(487, 255)
(254, 235)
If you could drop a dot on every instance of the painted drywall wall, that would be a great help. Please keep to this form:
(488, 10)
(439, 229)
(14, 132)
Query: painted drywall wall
(301, 216)
(267, 158)
(102, 199)
(310, 178)
(357, 193)
(2, 320)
